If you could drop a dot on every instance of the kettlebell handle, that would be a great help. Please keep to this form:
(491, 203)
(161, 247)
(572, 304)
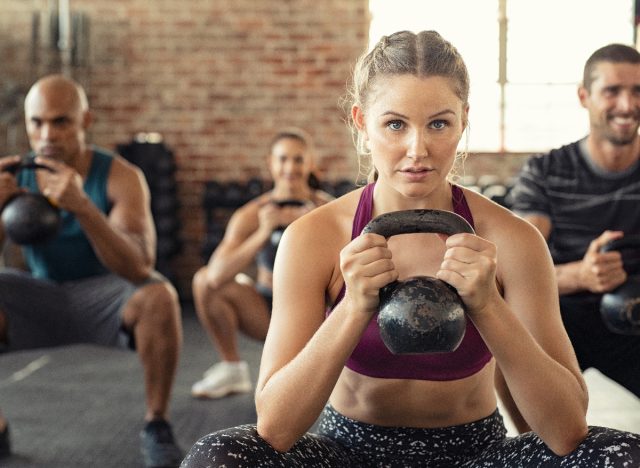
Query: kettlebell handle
(27, 162)
(416, 221)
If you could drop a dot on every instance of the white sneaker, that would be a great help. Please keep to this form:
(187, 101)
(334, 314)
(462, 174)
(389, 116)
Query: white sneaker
(223, 379)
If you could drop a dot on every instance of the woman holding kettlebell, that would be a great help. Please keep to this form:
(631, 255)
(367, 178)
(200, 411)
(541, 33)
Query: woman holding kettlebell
(227, 300)
(409, 108)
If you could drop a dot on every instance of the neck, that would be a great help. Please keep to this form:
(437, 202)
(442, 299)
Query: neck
(613, 157)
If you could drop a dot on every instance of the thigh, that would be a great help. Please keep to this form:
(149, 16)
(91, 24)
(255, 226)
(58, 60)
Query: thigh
(242, 447)
(250, 308)
(602, 448)
(32, 308)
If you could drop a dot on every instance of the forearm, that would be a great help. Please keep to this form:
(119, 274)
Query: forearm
(551, 398)
(568, 278)
(226, 264)
(119, 252)
(292, 399)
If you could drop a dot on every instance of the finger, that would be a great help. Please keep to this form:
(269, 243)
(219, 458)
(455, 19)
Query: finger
(367, 241)
(8, 161)
(603, 239)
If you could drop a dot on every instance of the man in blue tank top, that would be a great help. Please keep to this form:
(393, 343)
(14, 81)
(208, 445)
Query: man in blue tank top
(94, 282)
(585, 194)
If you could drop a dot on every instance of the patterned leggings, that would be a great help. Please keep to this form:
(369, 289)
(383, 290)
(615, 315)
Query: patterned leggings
(343, 442)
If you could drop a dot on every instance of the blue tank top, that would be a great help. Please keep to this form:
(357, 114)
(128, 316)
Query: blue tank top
(69, 255)
(371, 356)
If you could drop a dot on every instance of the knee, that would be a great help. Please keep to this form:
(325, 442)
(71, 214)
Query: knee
(158, 300)
(622, 448)
(233, 447)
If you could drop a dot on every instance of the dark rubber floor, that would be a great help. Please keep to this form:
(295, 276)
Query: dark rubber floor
(83, 405)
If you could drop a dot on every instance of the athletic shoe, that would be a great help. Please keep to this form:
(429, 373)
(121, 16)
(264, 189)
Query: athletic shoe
(5, 443)
(223, 379)
(158, 447)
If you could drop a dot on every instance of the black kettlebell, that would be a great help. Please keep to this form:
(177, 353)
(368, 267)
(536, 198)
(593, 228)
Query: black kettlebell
(420, 314)
(620, 308)
(276, 235)
(29, 218)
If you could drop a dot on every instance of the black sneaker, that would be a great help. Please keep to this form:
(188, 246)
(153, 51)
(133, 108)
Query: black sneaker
(158, 446)
(5, 443)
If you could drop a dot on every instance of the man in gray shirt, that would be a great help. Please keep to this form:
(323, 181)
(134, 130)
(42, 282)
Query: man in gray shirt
(583, 195)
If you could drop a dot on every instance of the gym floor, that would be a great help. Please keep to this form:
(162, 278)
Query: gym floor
(82, 406)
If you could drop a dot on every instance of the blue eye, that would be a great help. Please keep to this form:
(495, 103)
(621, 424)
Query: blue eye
(439, 124)
(395, 125)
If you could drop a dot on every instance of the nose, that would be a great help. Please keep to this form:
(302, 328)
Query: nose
(417, 145)
(46, 131)
(626, 101)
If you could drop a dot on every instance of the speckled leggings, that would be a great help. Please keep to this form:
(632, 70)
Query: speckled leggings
(343, 442)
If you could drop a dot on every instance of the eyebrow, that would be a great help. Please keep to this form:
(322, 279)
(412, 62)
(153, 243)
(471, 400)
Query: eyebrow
(437, 114)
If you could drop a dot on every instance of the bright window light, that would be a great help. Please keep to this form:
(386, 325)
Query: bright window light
(547, 43)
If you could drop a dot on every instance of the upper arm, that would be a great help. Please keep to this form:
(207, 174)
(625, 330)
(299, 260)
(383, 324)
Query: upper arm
(527, 275)
(302, 273)
(130, 199)
(242, 224)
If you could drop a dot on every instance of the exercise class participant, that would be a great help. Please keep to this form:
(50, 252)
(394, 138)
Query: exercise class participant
(94, 282)
(228, 301)
(410, 108)
(584, 195)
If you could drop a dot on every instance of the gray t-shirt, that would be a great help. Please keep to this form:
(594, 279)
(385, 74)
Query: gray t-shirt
(581, 199)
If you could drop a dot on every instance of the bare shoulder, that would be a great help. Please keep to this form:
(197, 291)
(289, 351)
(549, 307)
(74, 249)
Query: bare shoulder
(327, 227)
(126, 180)
(317, 239)
(247, 215)
(501, 226)
(320, 197)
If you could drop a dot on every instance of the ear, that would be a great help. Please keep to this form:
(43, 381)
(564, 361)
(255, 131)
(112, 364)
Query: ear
(583, 96)
(465, 117)
(358, 117)
(87, 119)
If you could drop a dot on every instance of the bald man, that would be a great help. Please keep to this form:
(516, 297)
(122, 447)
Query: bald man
(95, 281)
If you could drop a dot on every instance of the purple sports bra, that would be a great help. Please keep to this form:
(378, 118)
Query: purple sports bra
(372, 358)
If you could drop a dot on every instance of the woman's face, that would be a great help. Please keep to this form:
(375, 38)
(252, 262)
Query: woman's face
(412, 127)
(290, 162)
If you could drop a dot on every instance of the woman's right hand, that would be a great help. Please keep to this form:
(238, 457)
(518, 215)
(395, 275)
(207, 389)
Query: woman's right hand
(366, 266)
(268, 217)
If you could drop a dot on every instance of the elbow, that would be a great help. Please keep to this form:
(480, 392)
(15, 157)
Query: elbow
(569, 439)
(273, 434)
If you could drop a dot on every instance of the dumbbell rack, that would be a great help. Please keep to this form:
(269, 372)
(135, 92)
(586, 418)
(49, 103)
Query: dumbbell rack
(157, 162)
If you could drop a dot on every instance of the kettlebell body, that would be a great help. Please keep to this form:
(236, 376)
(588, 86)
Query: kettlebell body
(620, 308)
(267, 254)
(29, 218)
(420, 314)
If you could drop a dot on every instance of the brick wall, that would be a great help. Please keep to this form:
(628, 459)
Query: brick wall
(215, 78)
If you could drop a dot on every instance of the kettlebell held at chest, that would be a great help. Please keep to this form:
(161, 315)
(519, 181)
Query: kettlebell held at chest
(420, 314)
(29, 218)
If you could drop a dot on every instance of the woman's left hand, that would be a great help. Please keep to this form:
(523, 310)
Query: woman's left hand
(469, 265)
